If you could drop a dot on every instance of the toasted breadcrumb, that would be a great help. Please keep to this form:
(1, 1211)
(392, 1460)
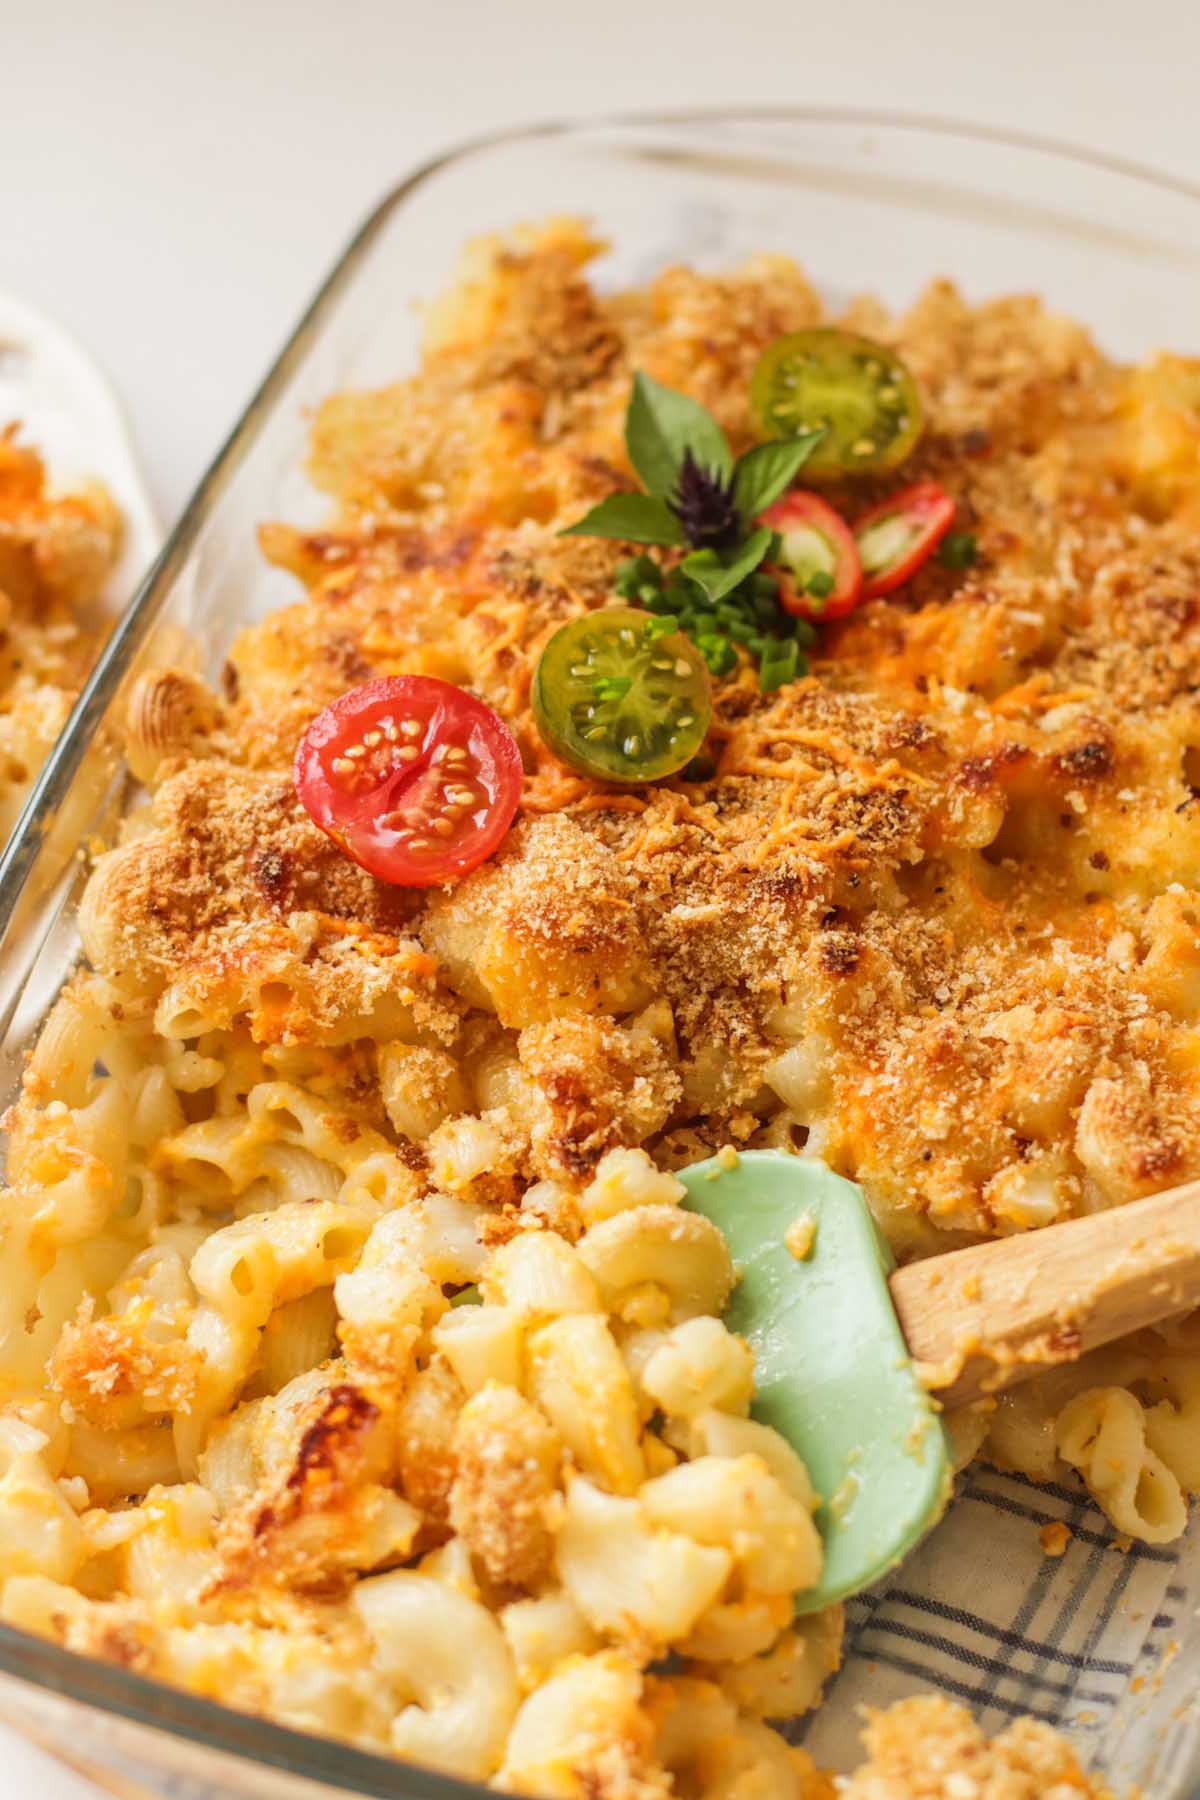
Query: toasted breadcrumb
(1054, 1538)
(930, 1749)
(425, 1429)
(113, 1375)
(505, 1490)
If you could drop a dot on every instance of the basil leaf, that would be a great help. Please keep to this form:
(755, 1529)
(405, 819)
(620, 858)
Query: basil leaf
(765, 472)
(719, 572)
(660, 425)
(631, 518)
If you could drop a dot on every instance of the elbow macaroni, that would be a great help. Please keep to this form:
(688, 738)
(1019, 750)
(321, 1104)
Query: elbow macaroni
(267, 1356)
(1125, 1419)
(359, 1364)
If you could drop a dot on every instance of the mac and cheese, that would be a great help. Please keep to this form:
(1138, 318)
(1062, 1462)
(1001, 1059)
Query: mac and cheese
(361, 1366)
(56, 551)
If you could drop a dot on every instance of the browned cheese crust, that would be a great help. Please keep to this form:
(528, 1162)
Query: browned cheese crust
(951, 873)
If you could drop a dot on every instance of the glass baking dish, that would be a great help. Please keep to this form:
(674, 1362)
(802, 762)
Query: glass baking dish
(866, 202)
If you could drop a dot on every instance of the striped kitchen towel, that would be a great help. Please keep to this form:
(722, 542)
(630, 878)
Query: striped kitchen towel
(1083, 1640)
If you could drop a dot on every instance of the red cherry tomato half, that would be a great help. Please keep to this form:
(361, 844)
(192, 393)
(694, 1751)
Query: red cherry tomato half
(897, 536)
(411, 777)
(818, 570)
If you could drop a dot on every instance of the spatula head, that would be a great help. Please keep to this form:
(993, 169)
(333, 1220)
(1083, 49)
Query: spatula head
(832, 1371)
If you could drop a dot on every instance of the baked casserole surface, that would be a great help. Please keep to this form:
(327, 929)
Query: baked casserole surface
(929, 912)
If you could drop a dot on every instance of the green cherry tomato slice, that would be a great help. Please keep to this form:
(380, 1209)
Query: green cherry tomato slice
(620, 699)
(858, 390)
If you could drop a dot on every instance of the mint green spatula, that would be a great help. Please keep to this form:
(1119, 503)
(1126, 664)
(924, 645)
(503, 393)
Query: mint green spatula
(832, 1370)
(852, 1355)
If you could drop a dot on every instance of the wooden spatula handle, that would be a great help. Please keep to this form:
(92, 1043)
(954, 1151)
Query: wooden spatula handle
(978, 1320)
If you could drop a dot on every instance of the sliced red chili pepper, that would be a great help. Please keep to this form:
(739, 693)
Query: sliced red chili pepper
(818, 568)
(413, 778)
(899, 534)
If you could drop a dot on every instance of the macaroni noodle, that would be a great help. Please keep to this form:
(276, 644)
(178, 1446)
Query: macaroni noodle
(360, 1366)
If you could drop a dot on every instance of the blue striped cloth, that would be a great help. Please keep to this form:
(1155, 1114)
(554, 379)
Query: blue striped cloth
(981, 1614)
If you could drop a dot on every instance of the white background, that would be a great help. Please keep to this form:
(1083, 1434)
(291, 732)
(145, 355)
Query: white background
(175, 178)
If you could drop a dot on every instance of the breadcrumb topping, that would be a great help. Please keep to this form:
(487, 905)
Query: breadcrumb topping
(930, 1749)
(930, 912)
(959, 861)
